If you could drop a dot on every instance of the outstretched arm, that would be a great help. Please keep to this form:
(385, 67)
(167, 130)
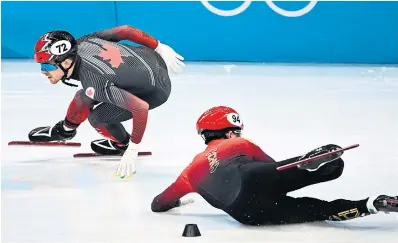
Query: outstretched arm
(127, 32)
(170, 198)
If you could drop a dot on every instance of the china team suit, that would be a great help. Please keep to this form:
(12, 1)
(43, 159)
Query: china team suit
(126, 81)
(236, 176)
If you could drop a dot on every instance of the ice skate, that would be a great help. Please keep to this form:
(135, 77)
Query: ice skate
(383, 203)
(108, 147)
(316, 164)
(51, 133)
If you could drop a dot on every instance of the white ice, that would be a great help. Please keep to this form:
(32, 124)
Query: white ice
(47, 196)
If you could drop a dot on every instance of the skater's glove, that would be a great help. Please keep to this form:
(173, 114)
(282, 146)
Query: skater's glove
(126, 167)
(171, 58)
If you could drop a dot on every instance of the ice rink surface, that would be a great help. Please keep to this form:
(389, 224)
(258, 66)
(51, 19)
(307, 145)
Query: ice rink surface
(48, 196)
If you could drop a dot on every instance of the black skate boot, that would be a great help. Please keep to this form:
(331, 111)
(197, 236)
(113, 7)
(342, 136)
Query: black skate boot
(316, 164)
(108, 147)
(51, 133)
(383, 203)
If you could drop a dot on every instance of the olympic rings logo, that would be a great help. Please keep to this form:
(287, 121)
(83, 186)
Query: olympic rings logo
(246, 4)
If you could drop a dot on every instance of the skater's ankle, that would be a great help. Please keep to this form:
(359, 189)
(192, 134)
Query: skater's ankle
(68, 129)
(125, 142)
(68, 126)
(370, 205)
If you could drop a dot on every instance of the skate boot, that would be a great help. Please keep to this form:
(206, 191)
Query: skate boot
(51, 133)
(382, 203)
(108, 147)
(316, 164)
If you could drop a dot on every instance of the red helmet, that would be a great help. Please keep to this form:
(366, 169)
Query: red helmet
(55, 46)
(218, 118)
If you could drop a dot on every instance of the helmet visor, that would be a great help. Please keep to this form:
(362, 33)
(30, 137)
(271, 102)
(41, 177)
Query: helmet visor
(47, 67)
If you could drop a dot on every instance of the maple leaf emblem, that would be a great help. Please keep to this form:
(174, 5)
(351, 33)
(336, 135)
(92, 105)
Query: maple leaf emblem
(90, 92)
(112, 54)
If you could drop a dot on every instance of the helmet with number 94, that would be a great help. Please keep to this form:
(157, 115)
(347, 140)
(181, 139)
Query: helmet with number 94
(55, 46)
(219, 118)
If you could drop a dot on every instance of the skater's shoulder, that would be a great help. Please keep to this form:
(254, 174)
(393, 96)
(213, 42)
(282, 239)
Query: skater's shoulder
(240, 141)
(224, 146)
(225, 143)
(249, 141)
(244, 143)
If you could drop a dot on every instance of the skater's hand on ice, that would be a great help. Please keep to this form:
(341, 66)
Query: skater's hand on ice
(182, 203)
(126, 167)
(172, 59)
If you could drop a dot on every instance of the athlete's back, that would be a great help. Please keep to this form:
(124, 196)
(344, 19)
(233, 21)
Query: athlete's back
(213, 173)
(134, 68)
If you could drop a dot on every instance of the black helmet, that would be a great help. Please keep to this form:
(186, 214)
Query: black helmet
(57, 46)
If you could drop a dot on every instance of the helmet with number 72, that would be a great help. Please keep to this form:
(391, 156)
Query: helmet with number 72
(219, 118)
(55, 46)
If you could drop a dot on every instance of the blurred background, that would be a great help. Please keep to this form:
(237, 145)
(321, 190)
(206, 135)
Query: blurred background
(295, 32)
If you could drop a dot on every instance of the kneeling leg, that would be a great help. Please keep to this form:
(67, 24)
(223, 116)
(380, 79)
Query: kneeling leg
(106, 119)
